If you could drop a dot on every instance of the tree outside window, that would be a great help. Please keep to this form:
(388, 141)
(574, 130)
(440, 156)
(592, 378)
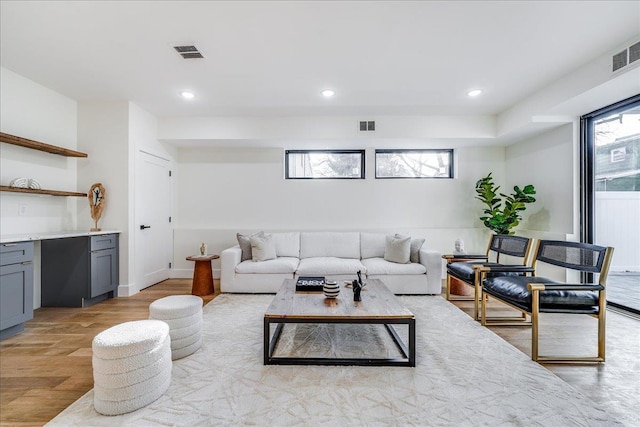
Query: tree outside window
(414, 163)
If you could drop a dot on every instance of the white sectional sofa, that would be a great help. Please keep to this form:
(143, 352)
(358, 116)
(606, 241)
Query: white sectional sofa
(334, 255)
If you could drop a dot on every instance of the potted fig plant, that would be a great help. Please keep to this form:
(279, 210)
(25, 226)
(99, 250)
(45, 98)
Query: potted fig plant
(498, 218)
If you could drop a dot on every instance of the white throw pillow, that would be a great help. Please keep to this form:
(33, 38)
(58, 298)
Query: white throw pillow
(244, 240)
(416, 244)
(263, 248)
(398, 249)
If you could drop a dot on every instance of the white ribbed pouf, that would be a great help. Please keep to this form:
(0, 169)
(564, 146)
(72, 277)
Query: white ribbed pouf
(131, 366)
(183, 314)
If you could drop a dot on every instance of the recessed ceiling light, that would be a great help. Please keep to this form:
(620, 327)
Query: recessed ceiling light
(187, 95)
(474, 92)
(328, 93)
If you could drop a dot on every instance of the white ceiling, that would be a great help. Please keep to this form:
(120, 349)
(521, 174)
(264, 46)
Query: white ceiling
(273, 58)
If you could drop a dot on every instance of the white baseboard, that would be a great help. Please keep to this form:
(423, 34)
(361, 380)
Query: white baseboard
(127, 290)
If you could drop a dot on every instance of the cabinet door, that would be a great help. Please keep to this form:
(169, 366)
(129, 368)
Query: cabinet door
(16, 294)
(104, 271)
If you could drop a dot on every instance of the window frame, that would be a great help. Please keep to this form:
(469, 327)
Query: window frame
(327, 151)
(450, 151)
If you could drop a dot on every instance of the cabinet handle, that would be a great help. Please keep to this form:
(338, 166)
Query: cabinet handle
(26, 262)
(142, 227)
(8, 245)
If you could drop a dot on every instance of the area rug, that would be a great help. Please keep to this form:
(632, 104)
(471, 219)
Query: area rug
(465, 376)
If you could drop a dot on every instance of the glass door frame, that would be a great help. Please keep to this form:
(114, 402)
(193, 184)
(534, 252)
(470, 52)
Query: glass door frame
(587, 171)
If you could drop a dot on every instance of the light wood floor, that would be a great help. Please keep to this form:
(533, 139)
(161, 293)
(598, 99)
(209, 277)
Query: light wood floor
(48, 366)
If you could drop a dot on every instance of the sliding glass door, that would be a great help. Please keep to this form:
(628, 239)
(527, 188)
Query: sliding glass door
(611, 194)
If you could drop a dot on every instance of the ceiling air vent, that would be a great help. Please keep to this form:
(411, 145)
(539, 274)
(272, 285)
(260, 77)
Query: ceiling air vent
(188, 51)
(367, 126)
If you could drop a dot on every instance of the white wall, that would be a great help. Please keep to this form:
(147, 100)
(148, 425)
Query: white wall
(325, 129)
(223, 191)
(32, 111)
(103, 133)
(549, 162)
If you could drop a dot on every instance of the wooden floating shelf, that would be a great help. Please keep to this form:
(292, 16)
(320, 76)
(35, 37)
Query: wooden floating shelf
(41, 191)
(40, 146)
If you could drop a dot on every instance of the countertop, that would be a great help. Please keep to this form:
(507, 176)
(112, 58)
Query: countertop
(25, 237)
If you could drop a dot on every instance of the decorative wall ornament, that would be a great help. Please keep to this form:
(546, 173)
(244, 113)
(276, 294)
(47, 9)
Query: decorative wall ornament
(25, 183)
(96, 198)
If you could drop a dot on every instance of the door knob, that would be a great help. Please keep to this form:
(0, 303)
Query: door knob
(142, 227)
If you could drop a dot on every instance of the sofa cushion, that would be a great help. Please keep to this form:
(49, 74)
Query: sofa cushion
(372, 245)
(513, 289)
(244, 241)
(263, 248)
(379, 266)
(416, 244)
(330, 244)
(320, 266)
(398, 249)
(287, 244)
(281, 265)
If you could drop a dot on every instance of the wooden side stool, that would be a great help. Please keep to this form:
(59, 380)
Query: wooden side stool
(202, 274)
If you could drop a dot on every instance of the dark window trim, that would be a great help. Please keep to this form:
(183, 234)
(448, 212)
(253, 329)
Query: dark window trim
(587, 170)
(417, 150)
(587, 164)
(362, 162)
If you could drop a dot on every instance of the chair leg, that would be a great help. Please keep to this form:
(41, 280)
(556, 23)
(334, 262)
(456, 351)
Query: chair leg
(477, 291)
(483, 316)
(448, 287)
(535, 315)
(602, 325)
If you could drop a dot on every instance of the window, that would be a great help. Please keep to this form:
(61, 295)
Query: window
(324, 164)
(610, 193)
(414, 163)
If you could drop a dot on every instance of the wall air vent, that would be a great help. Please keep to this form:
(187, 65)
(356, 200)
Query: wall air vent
(188, 51)
(619, 60)
(367, 126)
(634, 52)
(625, 57)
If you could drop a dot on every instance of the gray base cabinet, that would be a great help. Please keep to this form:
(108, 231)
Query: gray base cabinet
(16, 287)
(79, 271)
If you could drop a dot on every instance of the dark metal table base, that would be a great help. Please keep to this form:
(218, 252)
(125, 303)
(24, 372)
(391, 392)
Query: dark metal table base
(408, 351)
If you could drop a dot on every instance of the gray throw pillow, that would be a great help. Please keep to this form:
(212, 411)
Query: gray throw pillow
(244, 240)
(398, 249)
(263, 248)
(416, 244)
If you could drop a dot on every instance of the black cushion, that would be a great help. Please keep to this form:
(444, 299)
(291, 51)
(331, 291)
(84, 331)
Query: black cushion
(514, 290)
(464, 270)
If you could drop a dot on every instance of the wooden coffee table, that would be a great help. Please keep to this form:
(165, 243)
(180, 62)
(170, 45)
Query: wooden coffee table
(378, 306)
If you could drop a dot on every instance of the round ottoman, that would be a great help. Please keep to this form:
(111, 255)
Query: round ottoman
(183, 314)
(131, 366)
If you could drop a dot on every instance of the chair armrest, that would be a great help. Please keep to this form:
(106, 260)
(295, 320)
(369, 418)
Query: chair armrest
(504, 268)
(463, 257)
(564, 287)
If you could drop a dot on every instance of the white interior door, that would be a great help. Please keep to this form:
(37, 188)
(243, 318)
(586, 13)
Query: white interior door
(153, 207)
